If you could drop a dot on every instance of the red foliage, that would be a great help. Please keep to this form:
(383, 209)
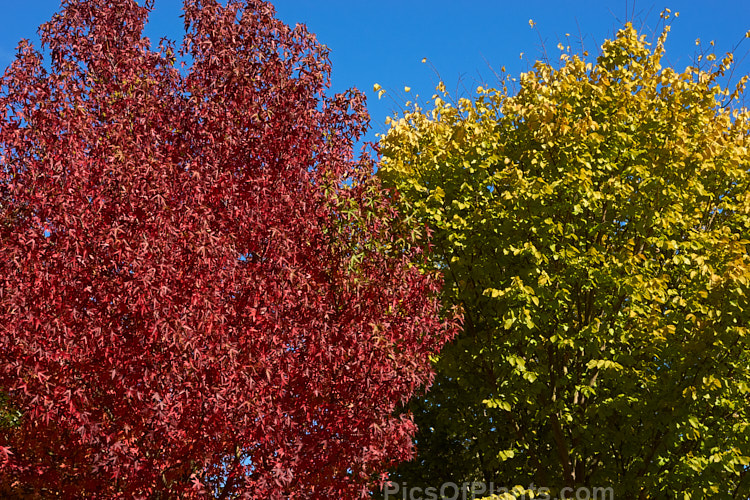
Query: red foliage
(202, 292)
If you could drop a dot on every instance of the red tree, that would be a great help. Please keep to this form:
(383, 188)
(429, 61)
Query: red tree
(202, 292)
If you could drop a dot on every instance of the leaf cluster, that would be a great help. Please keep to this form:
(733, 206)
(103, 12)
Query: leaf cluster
(594, 228)
(202, 293)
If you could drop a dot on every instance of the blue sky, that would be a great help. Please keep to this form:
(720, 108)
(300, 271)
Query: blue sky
(384, 42)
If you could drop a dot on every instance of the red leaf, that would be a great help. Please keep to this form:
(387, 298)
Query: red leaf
(221, 288)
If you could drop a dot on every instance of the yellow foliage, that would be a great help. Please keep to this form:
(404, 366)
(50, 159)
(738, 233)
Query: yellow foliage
(594, 226)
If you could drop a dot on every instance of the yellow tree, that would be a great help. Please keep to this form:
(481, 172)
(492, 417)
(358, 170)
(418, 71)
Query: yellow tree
(594, 227)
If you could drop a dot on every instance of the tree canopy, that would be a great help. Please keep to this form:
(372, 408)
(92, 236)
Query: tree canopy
(203, 291)
(593, 224)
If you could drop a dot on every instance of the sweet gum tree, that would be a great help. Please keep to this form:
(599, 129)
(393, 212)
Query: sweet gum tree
(202, 291)
(594, 227)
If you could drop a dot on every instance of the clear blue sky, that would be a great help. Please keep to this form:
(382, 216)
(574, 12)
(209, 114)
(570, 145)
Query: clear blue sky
(384, 42)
